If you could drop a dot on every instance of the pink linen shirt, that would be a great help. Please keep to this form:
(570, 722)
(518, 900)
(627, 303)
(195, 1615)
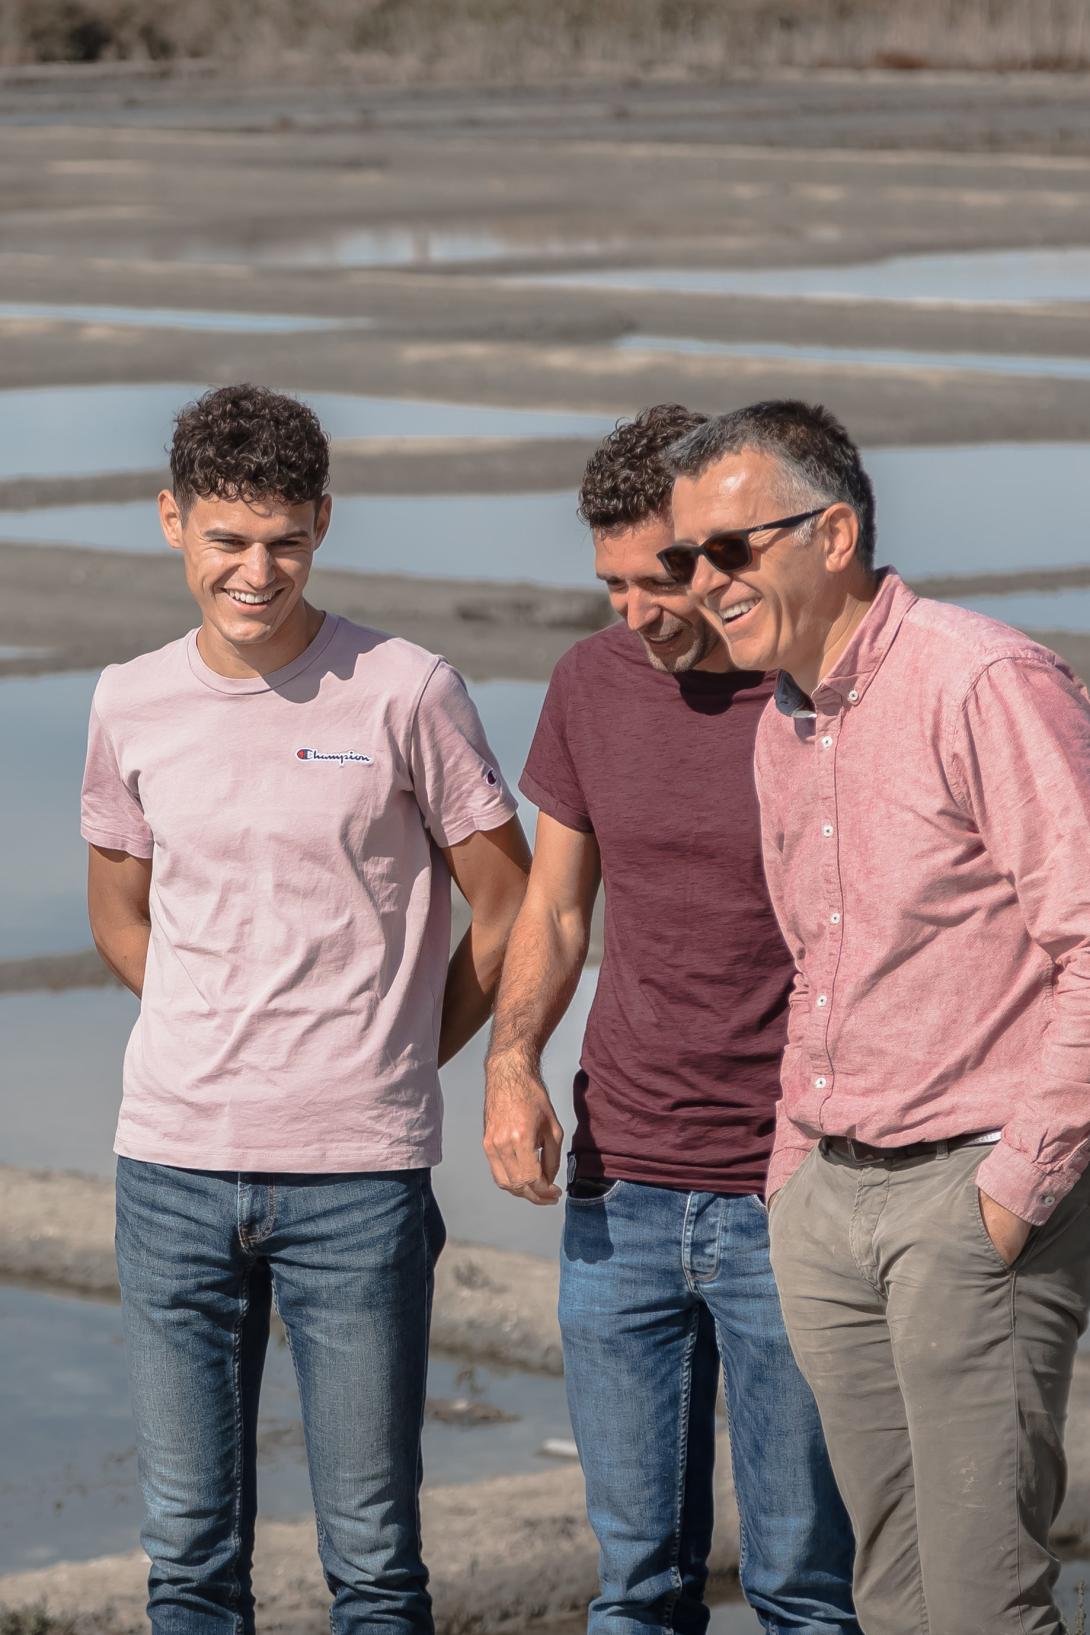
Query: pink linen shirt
(926, 832)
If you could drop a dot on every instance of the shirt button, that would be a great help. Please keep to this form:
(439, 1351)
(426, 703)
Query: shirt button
(1048, 1200)
(826, 829)
(826, 743)
(853, 697)
(819, 1084)
(834, 919)
(823, 998)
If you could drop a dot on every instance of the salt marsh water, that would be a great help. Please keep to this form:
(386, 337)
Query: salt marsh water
(534, 537)
(974, 509)
(990, 363)
(262, 323)
(977, 277)
(394, 246)
(64, 1413)
(78, 430)
(1059, 610)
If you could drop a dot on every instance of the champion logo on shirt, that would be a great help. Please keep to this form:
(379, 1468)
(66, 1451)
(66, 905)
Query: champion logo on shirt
(338, 755)
(488, 773)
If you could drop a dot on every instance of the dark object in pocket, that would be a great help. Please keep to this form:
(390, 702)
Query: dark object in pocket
(590, 1188)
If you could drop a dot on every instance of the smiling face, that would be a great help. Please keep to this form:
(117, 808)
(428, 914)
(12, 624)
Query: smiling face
(776, 613)
(246, 565)
(667, 617)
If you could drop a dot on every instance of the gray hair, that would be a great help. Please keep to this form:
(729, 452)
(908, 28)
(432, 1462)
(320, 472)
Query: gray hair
(819, 461)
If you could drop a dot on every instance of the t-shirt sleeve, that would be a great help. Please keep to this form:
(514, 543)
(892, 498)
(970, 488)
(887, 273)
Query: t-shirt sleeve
(549, 778)
(111, 814)
(458, 784)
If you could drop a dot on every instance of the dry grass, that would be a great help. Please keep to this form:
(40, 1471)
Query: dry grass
(534, 39)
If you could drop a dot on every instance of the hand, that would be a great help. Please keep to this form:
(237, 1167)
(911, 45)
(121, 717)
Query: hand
(1008, 1232)
(522, 1135)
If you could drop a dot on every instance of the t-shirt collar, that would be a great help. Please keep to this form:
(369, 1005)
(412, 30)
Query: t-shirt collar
(860, 661)
(275, 678)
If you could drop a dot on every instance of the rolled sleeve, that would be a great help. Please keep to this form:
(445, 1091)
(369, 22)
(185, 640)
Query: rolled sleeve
(1023, 757)
(110, 811)
(456, 778)
(550, 778)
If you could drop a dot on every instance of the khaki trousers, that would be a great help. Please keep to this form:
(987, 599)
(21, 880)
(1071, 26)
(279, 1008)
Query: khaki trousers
(942, 1378)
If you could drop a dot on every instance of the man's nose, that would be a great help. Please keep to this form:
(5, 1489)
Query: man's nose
(258, 565)
(640, 611)
(707, 579)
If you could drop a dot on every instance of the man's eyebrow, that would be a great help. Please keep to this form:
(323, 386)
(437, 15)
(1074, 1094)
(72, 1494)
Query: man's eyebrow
(225, 534)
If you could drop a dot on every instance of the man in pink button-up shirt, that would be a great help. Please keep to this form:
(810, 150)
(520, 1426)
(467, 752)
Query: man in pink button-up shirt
(924, 777)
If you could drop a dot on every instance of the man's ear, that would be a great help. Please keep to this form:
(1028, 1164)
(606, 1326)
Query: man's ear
(840, 530)
(321, 521)
(170, 519)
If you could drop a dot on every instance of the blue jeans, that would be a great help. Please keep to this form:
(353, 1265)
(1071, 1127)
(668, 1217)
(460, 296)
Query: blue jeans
(657, 1287)
(349, 1260)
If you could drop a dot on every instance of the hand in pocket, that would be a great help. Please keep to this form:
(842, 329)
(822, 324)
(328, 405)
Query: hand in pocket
(1008, 1232)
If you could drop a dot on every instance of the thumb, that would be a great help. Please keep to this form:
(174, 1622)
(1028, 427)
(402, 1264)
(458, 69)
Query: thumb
(551, 1146)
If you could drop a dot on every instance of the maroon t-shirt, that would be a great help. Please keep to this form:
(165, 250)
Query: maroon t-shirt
(680, 1065)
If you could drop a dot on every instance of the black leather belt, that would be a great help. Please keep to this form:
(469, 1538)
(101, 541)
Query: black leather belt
(861, 1152)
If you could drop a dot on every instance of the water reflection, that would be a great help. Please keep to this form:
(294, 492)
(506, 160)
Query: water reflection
(79, 430)
(991, 363)
(65, 1416)
(973, 276)
(396, 246)
(977, 509)
(264, 323)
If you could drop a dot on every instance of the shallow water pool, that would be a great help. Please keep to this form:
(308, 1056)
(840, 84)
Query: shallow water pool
(49, 431)
(973, 276)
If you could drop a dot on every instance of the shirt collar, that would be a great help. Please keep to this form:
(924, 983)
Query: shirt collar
(861, 659)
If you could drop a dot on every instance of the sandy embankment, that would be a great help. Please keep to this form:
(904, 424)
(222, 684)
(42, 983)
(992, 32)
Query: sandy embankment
(503, 1552)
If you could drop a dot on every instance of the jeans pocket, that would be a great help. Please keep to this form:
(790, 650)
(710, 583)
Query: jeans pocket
(590, 1199)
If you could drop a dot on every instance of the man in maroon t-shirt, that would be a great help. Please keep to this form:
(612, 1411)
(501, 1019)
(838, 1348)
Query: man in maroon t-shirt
(642, 769)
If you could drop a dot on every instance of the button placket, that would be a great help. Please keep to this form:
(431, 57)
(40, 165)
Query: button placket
(821, 973)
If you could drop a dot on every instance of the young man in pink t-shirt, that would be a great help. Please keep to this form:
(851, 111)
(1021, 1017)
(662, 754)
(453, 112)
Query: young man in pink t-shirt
(275, 806)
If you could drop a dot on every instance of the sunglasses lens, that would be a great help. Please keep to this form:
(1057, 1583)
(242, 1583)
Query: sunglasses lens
(728, 553)
(680, 563)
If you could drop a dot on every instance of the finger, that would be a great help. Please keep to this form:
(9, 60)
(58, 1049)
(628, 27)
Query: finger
(551, 1150)
(538, 1192)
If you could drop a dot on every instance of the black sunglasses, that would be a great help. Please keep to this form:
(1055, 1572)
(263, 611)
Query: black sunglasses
(727, 552)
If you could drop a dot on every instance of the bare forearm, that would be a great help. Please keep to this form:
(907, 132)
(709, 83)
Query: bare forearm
(472, 975)
(125, 950)
(545, 958)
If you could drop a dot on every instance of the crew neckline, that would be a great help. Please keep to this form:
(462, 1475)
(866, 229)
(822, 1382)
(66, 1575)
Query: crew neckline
(275, 678)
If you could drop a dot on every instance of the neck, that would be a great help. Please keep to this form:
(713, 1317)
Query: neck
(853, 611)
(260, 659)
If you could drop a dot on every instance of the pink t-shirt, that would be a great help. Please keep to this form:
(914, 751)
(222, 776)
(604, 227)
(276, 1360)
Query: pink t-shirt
(300, 908)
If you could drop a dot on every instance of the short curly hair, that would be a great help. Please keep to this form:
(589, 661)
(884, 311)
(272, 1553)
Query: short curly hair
(628, 479)
(248, 443)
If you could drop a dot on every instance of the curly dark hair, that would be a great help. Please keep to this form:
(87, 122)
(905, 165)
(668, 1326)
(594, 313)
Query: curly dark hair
(248, 443)
(627, 478)
(818, 459)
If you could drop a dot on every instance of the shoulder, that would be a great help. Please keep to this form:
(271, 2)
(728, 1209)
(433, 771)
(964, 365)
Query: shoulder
(605, 655)
(125, 689)
(377, 650)
(954, 648)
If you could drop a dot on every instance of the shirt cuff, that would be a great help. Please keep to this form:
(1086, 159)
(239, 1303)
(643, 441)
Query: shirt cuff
(1021, 1186)
(784, 1162)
